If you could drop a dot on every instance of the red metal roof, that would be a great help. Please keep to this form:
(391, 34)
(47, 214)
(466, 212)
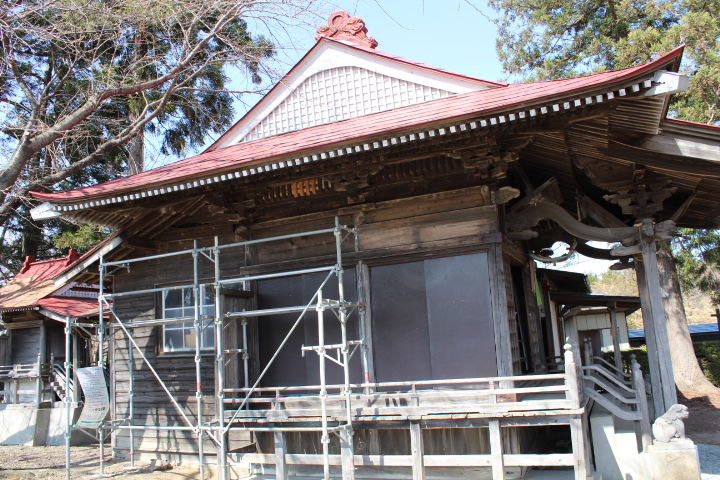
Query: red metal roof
(34, 282)
(70, 307)
(474, 104)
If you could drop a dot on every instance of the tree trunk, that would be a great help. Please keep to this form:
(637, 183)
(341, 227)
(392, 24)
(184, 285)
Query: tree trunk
(687, 372)
(136, 150)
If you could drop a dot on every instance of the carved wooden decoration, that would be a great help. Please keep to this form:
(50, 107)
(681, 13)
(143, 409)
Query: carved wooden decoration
(643, 197)
(341, 26)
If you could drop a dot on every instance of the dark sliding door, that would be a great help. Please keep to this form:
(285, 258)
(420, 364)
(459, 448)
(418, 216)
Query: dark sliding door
(432, 319)
(290, 368)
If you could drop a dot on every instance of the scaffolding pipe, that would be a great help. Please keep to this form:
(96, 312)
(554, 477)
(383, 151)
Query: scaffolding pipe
(198, 358)
(277, 352)
(68, 420)
(192, 429)
(219, 247)
(131, 400)
(147, 290)
(266, 276)
(325, 439)
(245, 353)
(101, 354)
(220, 372)
(348, 470)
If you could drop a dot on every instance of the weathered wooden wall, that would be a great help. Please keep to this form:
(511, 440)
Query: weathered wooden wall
(434, 228)
(152, 406)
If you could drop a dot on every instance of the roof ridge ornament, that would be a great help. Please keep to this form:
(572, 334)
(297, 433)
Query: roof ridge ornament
(341, 26)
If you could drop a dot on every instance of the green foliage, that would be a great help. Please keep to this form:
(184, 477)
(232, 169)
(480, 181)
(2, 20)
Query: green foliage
(697, 253)
(549, 39)
(708, 355)
(83, 237)
(614, 282)
(641, 356)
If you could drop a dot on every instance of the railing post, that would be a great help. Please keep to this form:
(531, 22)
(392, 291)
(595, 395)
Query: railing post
(39, 382)
(574, 393)
(496, 450)
(639, 384)
(417, 450)
(587, 354)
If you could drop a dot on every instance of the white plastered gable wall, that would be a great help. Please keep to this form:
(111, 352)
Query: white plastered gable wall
(336, 82)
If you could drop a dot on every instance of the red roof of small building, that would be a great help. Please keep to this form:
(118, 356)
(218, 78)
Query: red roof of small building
(70, 307)
(33, 286)
(464, 106)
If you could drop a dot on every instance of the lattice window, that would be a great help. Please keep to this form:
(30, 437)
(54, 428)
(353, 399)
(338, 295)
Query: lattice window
(338, 94)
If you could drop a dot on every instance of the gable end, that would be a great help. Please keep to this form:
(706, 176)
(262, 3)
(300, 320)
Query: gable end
(339, 94)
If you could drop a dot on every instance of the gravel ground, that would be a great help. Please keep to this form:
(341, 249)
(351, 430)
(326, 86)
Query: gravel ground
(709, 462)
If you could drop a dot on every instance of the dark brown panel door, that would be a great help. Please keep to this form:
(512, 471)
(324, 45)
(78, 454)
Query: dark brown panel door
(462, 338)
(432, 319)
(401, 340)
(290, 368)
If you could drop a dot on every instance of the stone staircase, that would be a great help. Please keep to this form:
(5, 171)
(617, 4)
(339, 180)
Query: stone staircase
(57, 382)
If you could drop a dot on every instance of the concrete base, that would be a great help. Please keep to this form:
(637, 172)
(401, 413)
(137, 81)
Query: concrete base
(677, 460)
(28, 425)
(615, 446)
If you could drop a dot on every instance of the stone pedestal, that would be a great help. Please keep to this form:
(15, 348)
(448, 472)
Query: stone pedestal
(677, 460)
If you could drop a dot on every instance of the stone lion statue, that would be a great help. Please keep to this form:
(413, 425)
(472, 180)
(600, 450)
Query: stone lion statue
(670, 425)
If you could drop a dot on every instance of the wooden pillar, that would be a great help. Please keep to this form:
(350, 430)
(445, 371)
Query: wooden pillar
(16, 389)
(615, 332)
(498, 295)
(42, 358)
(496, 450)
(662, 342)
(368, 359)
(653, 361)
(281, 472)
(417, 450)
(578, 437)
(75, 363)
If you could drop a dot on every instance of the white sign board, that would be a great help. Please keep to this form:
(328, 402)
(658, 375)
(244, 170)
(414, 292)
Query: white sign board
(97, 402)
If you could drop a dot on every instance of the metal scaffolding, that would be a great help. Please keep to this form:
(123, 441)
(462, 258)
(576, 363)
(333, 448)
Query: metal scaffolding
(217, 428)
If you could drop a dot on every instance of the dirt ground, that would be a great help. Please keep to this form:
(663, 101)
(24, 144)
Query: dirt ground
(22, 463)
(703, 426)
